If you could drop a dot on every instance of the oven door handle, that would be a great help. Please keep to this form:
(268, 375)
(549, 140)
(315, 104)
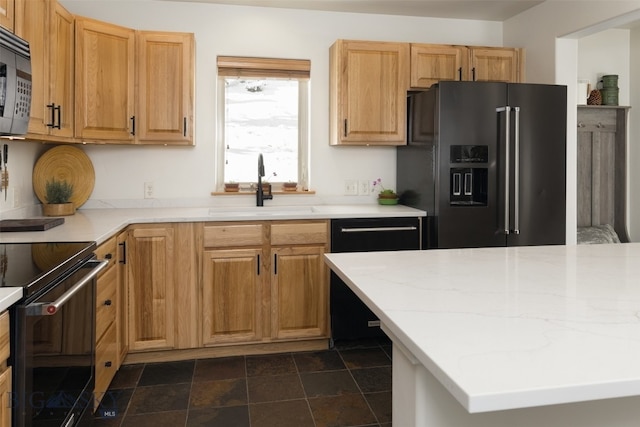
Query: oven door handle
(52, 308)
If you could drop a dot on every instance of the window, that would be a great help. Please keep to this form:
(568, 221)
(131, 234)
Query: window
(263, 109)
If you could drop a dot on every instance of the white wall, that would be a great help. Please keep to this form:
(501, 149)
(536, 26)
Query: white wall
(633, 147)
(549, 33)
(187, 172)
(606, 52)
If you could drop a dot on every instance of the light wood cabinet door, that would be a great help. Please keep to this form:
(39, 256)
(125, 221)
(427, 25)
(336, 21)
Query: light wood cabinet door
(62, 71)
(151, 285)
(104, 72)
(5, 398)
(299, 292)
(431, 63)
(165, 89)
(7, 14)
(122, 282)
(49, 27)
(368, 89)
(233, 283)
(494, 64)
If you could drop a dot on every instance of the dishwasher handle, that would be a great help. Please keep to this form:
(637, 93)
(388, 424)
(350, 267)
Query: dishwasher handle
(377, 229)
(49, 309)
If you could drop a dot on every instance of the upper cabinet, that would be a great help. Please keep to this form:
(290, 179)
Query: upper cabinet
(368, 89)
(133, 86)
(431, 63)
(95, 82)
(496, 64)
(164, 70)
(49, 28)
(7, 14)
(104, 81)
(369, 82)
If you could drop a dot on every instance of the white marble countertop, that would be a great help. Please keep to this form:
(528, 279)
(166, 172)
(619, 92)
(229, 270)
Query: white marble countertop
(8, 297)
(506, 328)
(100, 224)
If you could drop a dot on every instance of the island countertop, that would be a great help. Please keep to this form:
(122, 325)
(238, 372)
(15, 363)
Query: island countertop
(506, 328)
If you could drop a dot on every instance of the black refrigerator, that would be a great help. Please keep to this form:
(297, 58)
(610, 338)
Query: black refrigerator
(487, 161)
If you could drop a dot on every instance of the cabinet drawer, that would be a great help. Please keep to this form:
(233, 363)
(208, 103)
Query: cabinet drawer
(106, 362)
(5, 348)
(227, 235)
(107, 250)
(299, 233)
(106, 301)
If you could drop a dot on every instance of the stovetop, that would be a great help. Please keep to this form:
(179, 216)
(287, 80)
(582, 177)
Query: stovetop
(33, 265)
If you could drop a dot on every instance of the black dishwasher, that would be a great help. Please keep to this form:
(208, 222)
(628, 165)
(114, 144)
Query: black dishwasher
(350, 318)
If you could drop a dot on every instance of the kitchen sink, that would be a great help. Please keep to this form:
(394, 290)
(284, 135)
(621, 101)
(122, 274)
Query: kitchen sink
(257, 211)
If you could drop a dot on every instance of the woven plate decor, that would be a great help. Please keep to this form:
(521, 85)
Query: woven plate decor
(65, 163)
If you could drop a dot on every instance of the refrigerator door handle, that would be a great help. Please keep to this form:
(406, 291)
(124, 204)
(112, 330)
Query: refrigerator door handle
(516, 193)
(507, 111)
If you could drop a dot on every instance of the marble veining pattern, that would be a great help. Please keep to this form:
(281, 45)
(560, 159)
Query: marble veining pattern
(506, 328)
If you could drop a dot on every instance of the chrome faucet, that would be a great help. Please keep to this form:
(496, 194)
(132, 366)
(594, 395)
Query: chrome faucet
(260, 196)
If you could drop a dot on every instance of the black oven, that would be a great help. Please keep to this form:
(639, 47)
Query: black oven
(52, 331)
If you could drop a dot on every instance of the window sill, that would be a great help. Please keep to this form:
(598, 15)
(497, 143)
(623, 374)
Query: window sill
(245, 192)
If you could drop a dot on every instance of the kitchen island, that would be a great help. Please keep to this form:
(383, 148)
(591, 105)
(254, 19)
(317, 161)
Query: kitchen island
(520, 336)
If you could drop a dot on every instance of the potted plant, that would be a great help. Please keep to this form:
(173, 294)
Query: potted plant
(385, 196)
(58, 195)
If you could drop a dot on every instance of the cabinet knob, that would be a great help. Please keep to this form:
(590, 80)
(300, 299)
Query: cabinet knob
(107, 302)
(107, 364)
(599, 125)
(580, 124)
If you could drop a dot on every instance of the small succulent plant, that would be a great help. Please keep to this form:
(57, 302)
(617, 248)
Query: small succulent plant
(58, 191)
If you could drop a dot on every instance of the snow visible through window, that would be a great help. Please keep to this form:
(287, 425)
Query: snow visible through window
(261, 116)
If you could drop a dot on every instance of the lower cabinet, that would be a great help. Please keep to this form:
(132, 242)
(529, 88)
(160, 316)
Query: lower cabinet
(159, 273)
(150, 283)
(107, 320)
(5, 371)
(264, 281)
(232, 296)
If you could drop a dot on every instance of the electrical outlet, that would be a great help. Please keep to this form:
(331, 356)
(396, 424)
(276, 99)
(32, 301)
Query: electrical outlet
(148, 190)
(363, 187)
(351, 187)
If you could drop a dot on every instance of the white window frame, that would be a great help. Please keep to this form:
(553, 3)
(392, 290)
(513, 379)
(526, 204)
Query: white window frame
(303, 116)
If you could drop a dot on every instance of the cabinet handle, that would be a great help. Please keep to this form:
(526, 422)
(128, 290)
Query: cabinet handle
(473, 73)
(345, 127)
(460, 74)
(275, 263)
(107, 364)
(258, 257)
(107, 302)
(133, 125)
(59, 110)
(53, 115)
(184, 127)
(124, 252)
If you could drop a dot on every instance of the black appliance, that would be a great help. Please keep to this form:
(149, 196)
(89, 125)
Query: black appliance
(52, 331)
(487, 161)
(351, 319)
(15, 84)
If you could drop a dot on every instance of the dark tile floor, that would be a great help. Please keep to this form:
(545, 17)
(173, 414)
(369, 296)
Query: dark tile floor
(347, 386)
